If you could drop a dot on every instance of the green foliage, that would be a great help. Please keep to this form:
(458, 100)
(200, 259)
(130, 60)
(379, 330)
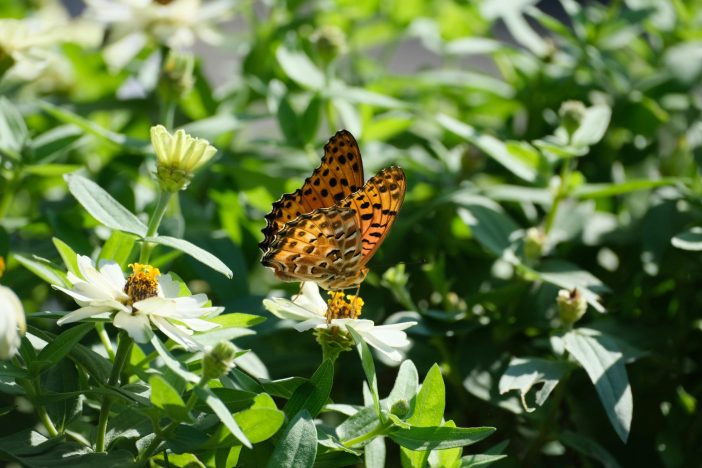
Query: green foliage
(547, 248)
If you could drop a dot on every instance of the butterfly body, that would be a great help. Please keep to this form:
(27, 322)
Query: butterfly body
(329, 229)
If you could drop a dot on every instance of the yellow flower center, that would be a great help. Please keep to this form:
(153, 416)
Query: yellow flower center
(2, 266)
(340, 306)
(142, 283)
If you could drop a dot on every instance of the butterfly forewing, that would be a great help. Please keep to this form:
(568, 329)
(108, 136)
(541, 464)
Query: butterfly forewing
(339, 174)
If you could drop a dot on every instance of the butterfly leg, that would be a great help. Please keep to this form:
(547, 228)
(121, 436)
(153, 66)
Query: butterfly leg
(356, 312)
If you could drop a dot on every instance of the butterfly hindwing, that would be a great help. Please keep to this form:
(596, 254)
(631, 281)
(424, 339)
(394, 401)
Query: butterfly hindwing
(322, 246)
(339, 174)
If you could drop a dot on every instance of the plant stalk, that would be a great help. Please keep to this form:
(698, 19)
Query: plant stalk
(164, 199)
(123, 351)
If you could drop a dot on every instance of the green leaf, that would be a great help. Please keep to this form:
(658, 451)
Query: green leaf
(300, 68)
(118, 248)
(490, 225)
(260, 424)
(54, 142)
(593, 126)
(13, 130)
(219, 408)
(44, 269)
(237, 320)
(60, 346)
(171, 362)
(194, 251)
(522, 374)
(368, 367)
(471, 461)
(589, 191)
(604, 364)
(449, 457)
(92, 128)
(59, 380)
(438, 438)
(526, 169)
(689, 240)
(428, 411)
(297, 446)
(164, 396)
(362, 422)
(103, 207)
(313, 394)
(68, 255)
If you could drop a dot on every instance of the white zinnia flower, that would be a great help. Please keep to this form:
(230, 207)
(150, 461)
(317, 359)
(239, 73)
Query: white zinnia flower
(30, 45)
(311, 311)
(12, 323)
(144, 299)
(174, 23)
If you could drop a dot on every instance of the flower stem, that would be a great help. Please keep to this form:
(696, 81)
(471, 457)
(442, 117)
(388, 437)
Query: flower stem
(146, 247)
(105, 339)
(123, 351)
(561, 193)
(46, 421)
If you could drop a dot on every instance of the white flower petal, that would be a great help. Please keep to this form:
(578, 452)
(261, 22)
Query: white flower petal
(137, 326)
(310, 298)
(283, 308)
(168, 287)
(121, 52)
(310, 323)
(113, 274)
(177, 334)
(82, 313)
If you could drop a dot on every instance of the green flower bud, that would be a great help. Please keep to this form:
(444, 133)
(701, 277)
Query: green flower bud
(534, 242)
(178, 157)
(218, 361)
(330, 42)
(400, 408)
(572, 114)
(571, 306)
(177, 78)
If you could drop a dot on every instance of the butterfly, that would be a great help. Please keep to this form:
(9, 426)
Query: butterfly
(329, 229)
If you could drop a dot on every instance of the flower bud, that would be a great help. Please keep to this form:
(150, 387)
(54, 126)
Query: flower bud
(12, 323)
(218, 361)
(400, 408)
(534, 242)
(178, 157)
(571, 306)
(330, 42)
(572, 113)
(177, 75)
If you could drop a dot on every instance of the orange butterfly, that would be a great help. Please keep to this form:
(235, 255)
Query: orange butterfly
(329, 229)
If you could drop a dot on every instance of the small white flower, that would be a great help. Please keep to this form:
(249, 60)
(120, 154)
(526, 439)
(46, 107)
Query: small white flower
(12, 323)
(30, 45)
(310, 310)
(144, 299)
(176, 24)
